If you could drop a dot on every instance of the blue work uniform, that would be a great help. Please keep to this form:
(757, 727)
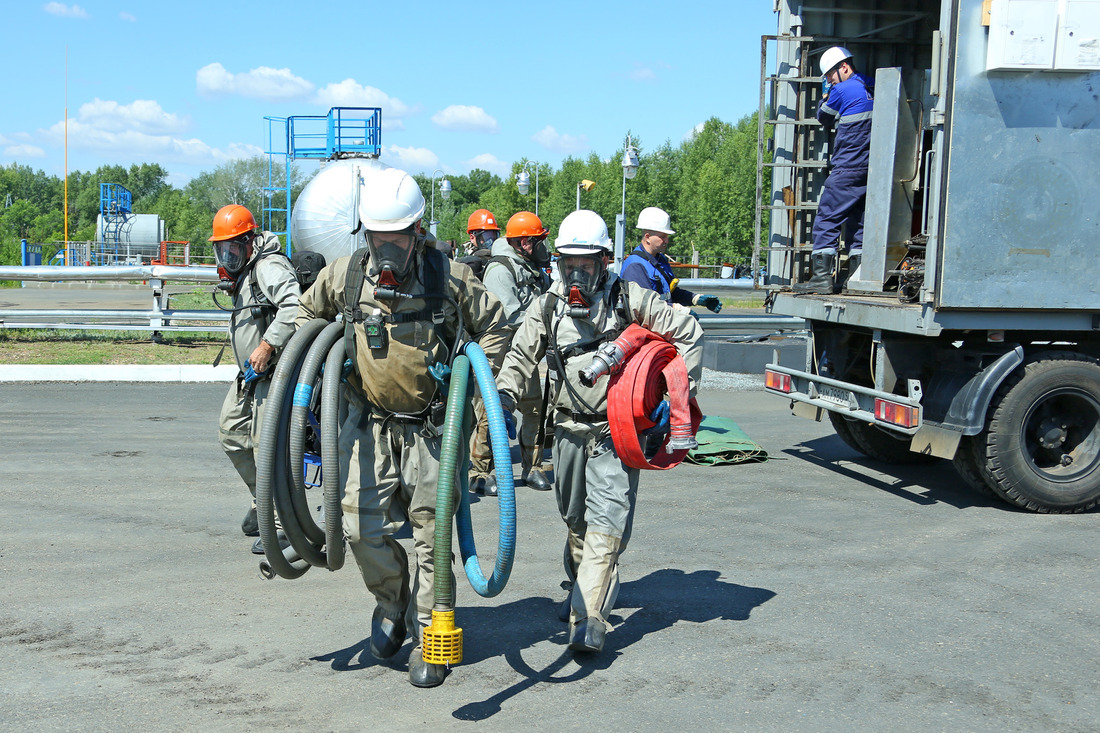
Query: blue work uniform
(848, 110)
(653, 272)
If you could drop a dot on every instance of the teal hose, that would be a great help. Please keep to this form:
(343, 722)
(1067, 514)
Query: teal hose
(444, 493)
(506, 489)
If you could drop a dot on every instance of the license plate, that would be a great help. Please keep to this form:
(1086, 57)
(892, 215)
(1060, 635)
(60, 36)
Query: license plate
(834, 394)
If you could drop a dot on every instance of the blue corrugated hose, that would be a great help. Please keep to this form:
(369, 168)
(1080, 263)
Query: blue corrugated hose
(506, 489)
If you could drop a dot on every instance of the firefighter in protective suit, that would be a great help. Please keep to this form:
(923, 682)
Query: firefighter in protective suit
(265, 296)
(414, 305)
(516, 274)
(596, 491)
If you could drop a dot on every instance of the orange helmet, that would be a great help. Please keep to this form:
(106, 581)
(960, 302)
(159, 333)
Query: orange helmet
(525, 224)
(481, 220)
(231, 222)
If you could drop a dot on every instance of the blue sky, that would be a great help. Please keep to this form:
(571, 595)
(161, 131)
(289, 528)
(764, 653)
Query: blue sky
(187, 85)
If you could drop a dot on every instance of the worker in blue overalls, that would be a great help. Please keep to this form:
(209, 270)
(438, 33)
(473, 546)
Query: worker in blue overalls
(846, 108)
(648, 266)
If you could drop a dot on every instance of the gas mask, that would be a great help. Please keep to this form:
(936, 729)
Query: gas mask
(483, 239)
(583, 276)
(391, 257)
(232, 256)
(532, 249)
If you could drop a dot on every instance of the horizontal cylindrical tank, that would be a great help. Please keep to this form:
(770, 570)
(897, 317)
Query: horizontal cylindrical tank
(325, 218)
(135, 234)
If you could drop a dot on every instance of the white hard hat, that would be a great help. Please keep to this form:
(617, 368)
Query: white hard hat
(832, 57)
(389, 200)
(655, 220)
(581, 233)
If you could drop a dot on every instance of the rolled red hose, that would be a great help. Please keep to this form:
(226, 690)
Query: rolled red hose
(653, 370)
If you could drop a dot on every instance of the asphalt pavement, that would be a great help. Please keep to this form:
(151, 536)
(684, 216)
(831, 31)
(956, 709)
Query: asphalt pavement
(818, 591)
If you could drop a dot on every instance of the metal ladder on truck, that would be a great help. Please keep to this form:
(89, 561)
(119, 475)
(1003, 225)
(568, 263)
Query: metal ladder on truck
(798, 161)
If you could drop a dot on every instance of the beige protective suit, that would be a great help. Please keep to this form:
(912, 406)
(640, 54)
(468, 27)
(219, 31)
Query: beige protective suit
(596, 492)
(517, 283)
(242, 410)
(389, 451)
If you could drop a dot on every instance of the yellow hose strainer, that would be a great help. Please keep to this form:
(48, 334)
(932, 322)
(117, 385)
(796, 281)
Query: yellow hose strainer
(442, 642)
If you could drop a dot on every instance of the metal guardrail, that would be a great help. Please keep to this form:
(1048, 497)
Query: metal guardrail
(162, 318)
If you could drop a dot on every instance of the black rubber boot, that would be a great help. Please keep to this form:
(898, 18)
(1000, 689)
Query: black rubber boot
(250, 525)
(588, 636)
(822, 282)
(853, 265)
(537, 480)
(386, 634)
(489, 486)
(422, 674)
(258, 545)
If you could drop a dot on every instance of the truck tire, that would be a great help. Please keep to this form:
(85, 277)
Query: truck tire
(883, 445)
(967, 462)
(842, 426)
(1042, 444)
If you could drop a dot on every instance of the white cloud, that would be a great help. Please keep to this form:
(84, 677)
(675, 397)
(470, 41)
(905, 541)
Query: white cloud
(558, 142)
(465, 118)
(141, 115)
(127, 16)
(690, 134)
(410, 159)
(24, 151)
(350, 93)
(263, 82)
(61, 10)
(642, 73)
(140, 131)
(489, 162)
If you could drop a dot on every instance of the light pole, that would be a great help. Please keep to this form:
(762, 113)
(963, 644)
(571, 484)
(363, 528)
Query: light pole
(587, 185)
(523, 182)
(630, 169)
(444, 191)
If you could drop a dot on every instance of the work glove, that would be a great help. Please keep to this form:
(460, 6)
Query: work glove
(825, 87)
(441, 373)
(710, 302)
(250, 374)
(507, 404)
(661, 418)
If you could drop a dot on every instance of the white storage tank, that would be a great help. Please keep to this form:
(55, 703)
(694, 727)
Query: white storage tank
(325, 217)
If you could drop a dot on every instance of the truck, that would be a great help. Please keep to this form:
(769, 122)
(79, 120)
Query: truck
(970, 330)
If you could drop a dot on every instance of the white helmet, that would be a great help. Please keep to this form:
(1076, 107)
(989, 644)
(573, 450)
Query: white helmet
(389, 200)
(583, 232)
(655, 220)
(832, 58)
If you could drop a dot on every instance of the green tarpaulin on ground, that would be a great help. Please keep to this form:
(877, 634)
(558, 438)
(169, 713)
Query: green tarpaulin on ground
(722, 442)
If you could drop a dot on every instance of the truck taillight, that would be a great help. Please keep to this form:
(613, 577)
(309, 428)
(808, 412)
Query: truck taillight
(777, 381)
(902, 415)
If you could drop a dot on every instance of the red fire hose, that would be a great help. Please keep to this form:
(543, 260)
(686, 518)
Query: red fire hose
(652, 368)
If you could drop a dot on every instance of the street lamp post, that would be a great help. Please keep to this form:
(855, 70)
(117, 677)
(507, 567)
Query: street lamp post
(444, 191)
(630, 169)
(587, 185)
(523, 182)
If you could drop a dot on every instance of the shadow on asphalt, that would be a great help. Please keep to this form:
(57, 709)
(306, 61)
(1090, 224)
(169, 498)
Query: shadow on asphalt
(661, 598)
(924, 484)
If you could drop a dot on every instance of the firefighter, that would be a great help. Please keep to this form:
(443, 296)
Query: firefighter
(516, 274)
(265, 294)
(595, 490)
(412, 307)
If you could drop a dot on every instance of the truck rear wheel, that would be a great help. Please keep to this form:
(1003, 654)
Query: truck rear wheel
(842, 426)
(1042, 446)
(876, 443)
(967, 462)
